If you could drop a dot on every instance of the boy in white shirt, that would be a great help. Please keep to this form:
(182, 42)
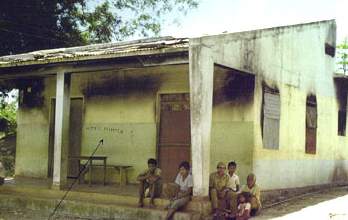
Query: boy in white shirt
(184, 185)
(233, 185)
(233, 182)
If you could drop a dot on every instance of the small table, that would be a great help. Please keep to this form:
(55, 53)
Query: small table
(90, 165)
(123, 173)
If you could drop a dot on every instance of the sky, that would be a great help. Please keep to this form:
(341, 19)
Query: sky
(217, 16)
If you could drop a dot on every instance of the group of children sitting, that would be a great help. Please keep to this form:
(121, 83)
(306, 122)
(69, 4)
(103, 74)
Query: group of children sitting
(227, 197)
(238, 202)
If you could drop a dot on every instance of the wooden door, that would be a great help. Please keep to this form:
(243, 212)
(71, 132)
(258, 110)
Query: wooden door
(76, 105)
(174, 133)
(51, 139)
(311, 125)
(75, 132)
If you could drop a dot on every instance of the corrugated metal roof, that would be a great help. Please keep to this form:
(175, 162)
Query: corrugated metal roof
(96, 51)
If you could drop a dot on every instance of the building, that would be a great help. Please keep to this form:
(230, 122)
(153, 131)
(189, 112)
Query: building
(268, 99)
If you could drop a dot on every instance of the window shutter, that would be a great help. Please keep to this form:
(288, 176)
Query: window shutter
(271, 120)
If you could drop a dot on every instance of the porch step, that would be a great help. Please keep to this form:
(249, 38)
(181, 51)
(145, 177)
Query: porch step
(91, 205)
(86, 209)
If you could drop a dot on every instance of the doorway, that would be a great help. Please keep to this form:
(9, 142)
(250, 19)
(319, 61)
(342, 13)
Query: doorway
(75, 133)
(174, 133)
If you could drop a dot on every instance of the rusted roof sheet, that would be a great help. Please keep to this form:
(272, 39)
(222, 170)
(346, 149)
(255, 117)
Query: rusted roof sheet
(96, 51)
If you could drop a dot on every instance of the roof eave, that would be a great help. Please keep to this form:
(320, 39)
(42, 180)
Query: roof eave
(145, 52)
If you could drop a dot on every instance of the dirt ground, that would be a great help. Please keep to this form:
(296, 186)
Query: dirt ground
(329, 204)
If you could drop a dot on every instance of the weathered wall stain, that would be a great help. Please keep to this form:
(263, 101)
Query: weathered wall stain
(236, 87)
(340, 173)
(121, 85)
(248, 51)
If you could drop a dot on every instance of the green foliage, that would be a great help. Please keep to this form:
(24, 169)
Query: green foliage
(8, 118)
(143, 17)
(41, 24)
(342, 56)
(38, 24)
(8, 163)
(100, 24)
(7, 109)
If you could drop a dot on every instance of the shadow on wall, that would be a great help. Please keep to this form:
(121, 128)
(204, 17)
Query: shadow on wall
(122, 85)
(340, 174)
(236, 87)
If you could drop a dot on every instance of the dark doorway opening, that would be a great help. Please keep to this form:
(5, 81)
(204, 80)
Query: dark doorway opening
(76, 111)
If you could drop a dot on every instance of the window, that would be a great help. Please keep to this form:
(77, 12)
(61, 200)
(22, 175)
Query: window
(270, 118)
(342, 120)
(342, 111)
(330, 50)
(311, 124)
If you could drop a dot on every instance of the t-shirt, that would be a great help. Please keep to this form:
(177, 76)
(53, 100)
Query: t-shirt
(233, 182)
(156, 172)
(242, 207)
(218, 182)
(184, 184)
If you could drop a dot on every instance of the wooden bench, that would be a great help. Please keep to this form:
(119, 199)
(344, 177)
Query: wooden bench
(122, 169)
(89, 165)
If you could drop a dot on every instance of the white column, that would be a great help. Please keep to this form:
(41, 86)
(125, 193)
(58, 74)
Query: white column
(201, 96)
(61, 131)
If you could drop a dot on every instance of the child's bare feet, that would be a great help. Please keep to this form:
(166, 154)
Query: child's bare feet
(152, 204)
(140, 204)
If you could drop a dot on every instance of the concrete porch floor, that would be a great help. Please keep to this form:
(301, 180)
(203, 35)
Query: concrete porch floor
(84, 201)
(110, 188)
(35, 196)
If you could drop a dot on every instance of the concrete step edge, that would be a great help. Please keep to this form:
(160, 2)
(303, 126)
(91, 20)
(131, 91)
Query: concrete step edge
(88, 208)
(194, 206)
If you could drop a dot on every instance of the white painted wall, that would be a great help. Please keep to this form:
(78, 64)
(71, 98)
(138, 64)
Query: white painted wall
(293, 59)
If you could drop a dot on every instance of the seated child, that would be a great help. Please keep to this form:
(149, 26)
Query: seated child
(244, 206)
(150, 179)
(255, 192)
(183, 185)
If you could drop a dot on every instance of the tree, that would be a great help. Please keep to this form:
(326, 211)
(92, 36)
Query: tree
(343, 56)
(40, 24)
(8, 118)
(28, 25)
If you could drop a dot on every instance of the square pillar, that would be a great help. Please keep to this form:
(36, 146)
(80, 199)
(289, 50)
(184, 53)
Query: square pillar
(201, 96)
(61, 130)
